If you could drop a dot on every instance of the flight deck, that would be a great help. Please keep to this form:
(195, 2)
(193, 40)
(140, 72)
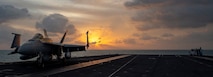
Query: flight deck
(116, 66)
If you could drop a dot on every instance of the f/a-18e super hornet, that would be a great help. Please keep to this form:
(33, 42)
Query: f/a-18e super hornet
(44, 48)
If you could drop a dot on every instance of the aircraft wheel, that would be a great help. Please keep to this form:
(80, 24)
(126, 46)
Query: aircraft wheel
(40, 60)
(63, 61)
(40, 63)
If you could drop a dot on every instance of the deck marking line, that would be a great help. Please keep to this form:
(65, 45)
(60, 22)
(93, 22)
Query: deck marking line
(122, 67)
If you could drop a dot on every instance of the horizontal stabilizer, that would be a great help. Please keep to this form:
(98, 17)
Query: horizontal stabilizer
(16, 40)
(14, 52)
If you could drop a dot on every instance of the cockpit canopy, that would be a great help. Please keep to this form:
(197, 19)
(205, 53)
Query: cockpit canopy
(37, 36)
(40, 37)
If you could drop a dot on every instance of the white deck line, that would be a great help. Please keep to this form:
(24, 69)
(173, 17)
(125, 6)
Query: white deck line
(71, 67)
(121, 67)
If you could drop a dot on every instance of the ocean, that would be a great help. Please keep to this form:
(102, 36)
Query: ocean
(15, 57)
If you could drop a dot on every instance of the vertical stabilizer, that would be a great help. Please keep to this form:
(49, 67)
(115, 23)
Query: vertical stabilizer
(87, 39)
(62, 39)
(16, 40)
(45, 33)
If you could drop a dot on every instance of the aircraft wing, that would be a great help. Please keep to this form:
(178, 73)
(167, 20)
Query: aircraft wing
(67, 47)
(71, 48)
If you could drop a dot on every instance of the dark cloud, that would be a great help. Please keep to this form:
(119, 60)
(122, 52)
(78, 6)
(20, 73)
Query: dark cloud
(108, 46)
(137, 4)
(125, 41)
(7, 37)
(117, 41)
(71, 28)
(148, 37)
(173, 14)
(167, 35)
(193, 40)
(206, 37)
(56, 23)
(9, 12)
(5, 33)
(129, 41)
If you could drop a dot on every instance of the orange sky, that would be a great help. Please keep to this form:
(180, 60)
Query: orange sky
(112, 24)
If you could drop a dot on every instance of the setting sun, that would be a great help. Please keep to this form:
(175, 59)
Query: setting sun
(98, 38)
(95, 40)
(95, 37)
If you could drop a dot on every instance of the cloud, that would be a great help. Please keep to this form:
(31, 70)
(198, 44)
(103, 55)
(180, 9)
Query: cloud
(201, 37)
(148, 37)
(129, 41)
(167, 35)
(5, 33)
(56, 23)
(137, 4)
(171, 14)
(7, 37)
(192, 40)
(108, 46)
(9, 12)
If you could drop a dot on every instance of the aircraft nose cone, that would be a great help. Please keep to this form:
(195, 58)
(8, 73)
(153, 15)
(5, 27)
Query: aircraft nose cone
(25, 49)
(22, 49)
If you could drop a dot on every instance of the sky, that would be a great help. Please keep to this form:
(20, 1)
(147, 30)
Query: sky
(112, 24)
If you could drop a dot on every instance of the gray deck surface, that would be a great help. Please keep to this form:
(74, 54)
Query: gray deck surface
(131, 66)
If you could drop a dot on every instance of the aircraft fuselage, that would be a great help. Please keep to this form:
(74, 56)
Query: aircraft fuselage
(32, 48)
(44, 48)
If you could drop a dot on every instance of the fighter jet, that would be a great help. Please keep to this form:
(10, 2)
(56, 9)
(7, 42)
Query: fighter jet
(44, 48)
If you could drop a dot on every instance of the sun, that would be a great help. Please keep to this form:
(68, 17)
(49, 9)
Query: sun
(94, 39)
(98, 39)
